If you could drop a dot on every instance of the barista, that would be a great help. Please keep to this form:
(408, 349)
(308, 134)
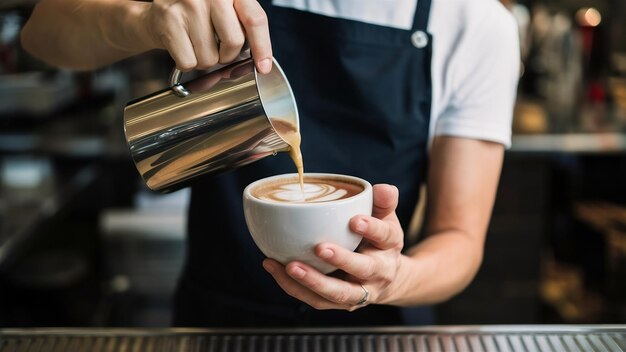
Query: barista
(396, 92)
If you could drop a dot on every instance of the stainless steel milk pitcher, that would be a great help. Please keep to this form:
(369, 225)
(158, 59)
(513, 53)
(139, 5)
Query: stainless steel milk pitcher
(219, 121)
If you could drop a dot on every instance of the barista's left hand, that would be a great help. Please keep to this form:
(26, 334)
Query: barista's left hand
(375, 265)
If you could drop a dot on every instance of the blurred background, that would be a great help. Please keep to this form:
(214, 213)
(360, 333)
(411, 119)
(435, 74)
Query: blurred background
(83, 243)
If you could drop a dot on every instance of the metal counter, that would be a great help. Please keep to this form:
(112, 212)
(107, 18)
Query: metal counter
(544, 338)
(570, 143)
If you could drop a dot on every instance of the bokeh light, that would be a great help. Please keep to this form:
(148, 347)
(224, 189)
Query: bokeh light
(588, 17)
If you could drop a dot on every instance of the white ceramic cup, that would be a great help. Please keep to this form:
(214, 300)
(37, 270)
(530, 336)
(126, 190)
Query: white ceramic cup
(290, 231)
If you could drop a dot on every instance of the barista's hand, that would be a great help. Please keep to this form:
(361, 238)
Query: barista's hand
(375, 265)
(189, 30)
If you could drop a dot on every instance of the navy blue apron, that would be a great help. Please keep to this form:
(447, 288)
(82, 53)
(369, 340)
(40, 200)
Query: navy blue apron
(364, 95)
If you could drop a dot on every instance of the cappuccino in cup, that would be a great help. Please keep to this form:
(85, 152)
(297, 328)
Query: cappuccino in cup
(286, 224)
(313, 190)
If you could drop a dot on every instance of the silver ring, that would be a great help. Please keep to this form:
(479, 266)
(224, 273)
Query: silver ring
(366, 295)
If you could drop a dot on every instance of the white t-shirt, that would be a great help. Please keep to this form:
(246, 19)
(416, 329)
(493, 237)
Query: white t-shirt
(476, 60)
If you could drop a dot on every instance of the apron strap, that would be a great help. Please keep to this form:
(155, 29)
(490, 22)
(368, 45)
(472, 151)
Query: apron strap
(422, 14)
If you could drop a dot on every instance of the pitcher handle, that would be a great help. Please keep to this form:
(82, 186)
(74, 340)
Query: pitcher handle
(175, 84)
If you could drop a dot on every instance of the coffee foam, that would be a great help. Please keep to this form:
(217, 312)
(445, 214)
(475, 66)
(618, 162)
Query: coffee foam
(316, 190)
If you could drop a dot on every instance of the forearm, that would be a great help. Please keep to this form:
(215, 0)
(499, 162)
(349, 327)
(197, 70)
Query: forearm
(437, 268)
(460, 201)
(86, 34)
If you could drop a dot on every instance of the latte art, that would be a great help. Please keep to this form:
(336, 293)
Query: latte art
(315, 191)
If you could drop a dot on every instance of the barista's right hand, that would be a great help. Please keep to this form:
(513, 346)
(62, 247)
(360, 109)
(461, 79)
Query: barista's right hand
(190, 29)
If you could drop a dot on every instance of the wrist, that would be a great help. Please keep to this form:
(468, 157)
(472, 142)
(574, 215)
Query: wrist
(398, 291)
(141, 26)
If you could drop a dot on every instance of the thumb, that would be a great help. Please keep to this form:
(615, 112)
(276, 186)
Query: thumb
(385, 200)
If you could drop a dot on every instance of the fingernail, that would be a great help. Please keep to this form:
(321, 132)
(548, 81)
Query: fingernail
(297, 272)
(361, 226)
(326, 253)
(268, 267)
(265, 65)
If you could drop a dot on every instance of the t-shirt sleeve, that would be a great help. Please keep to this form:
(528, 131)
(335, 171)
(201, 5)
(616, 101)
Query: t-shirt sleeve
(485, 81)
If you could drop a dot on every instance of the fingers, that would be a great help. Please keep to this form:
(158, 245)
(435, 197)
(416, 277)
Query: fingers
(361, 266)
(188, 29)
(303, 282)
(229, 30)
(385, 200)
(183, 53)
(254, 21)
(175, 40)
(203, 38)
(382, 234)
(343, 293)
(293, 288)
